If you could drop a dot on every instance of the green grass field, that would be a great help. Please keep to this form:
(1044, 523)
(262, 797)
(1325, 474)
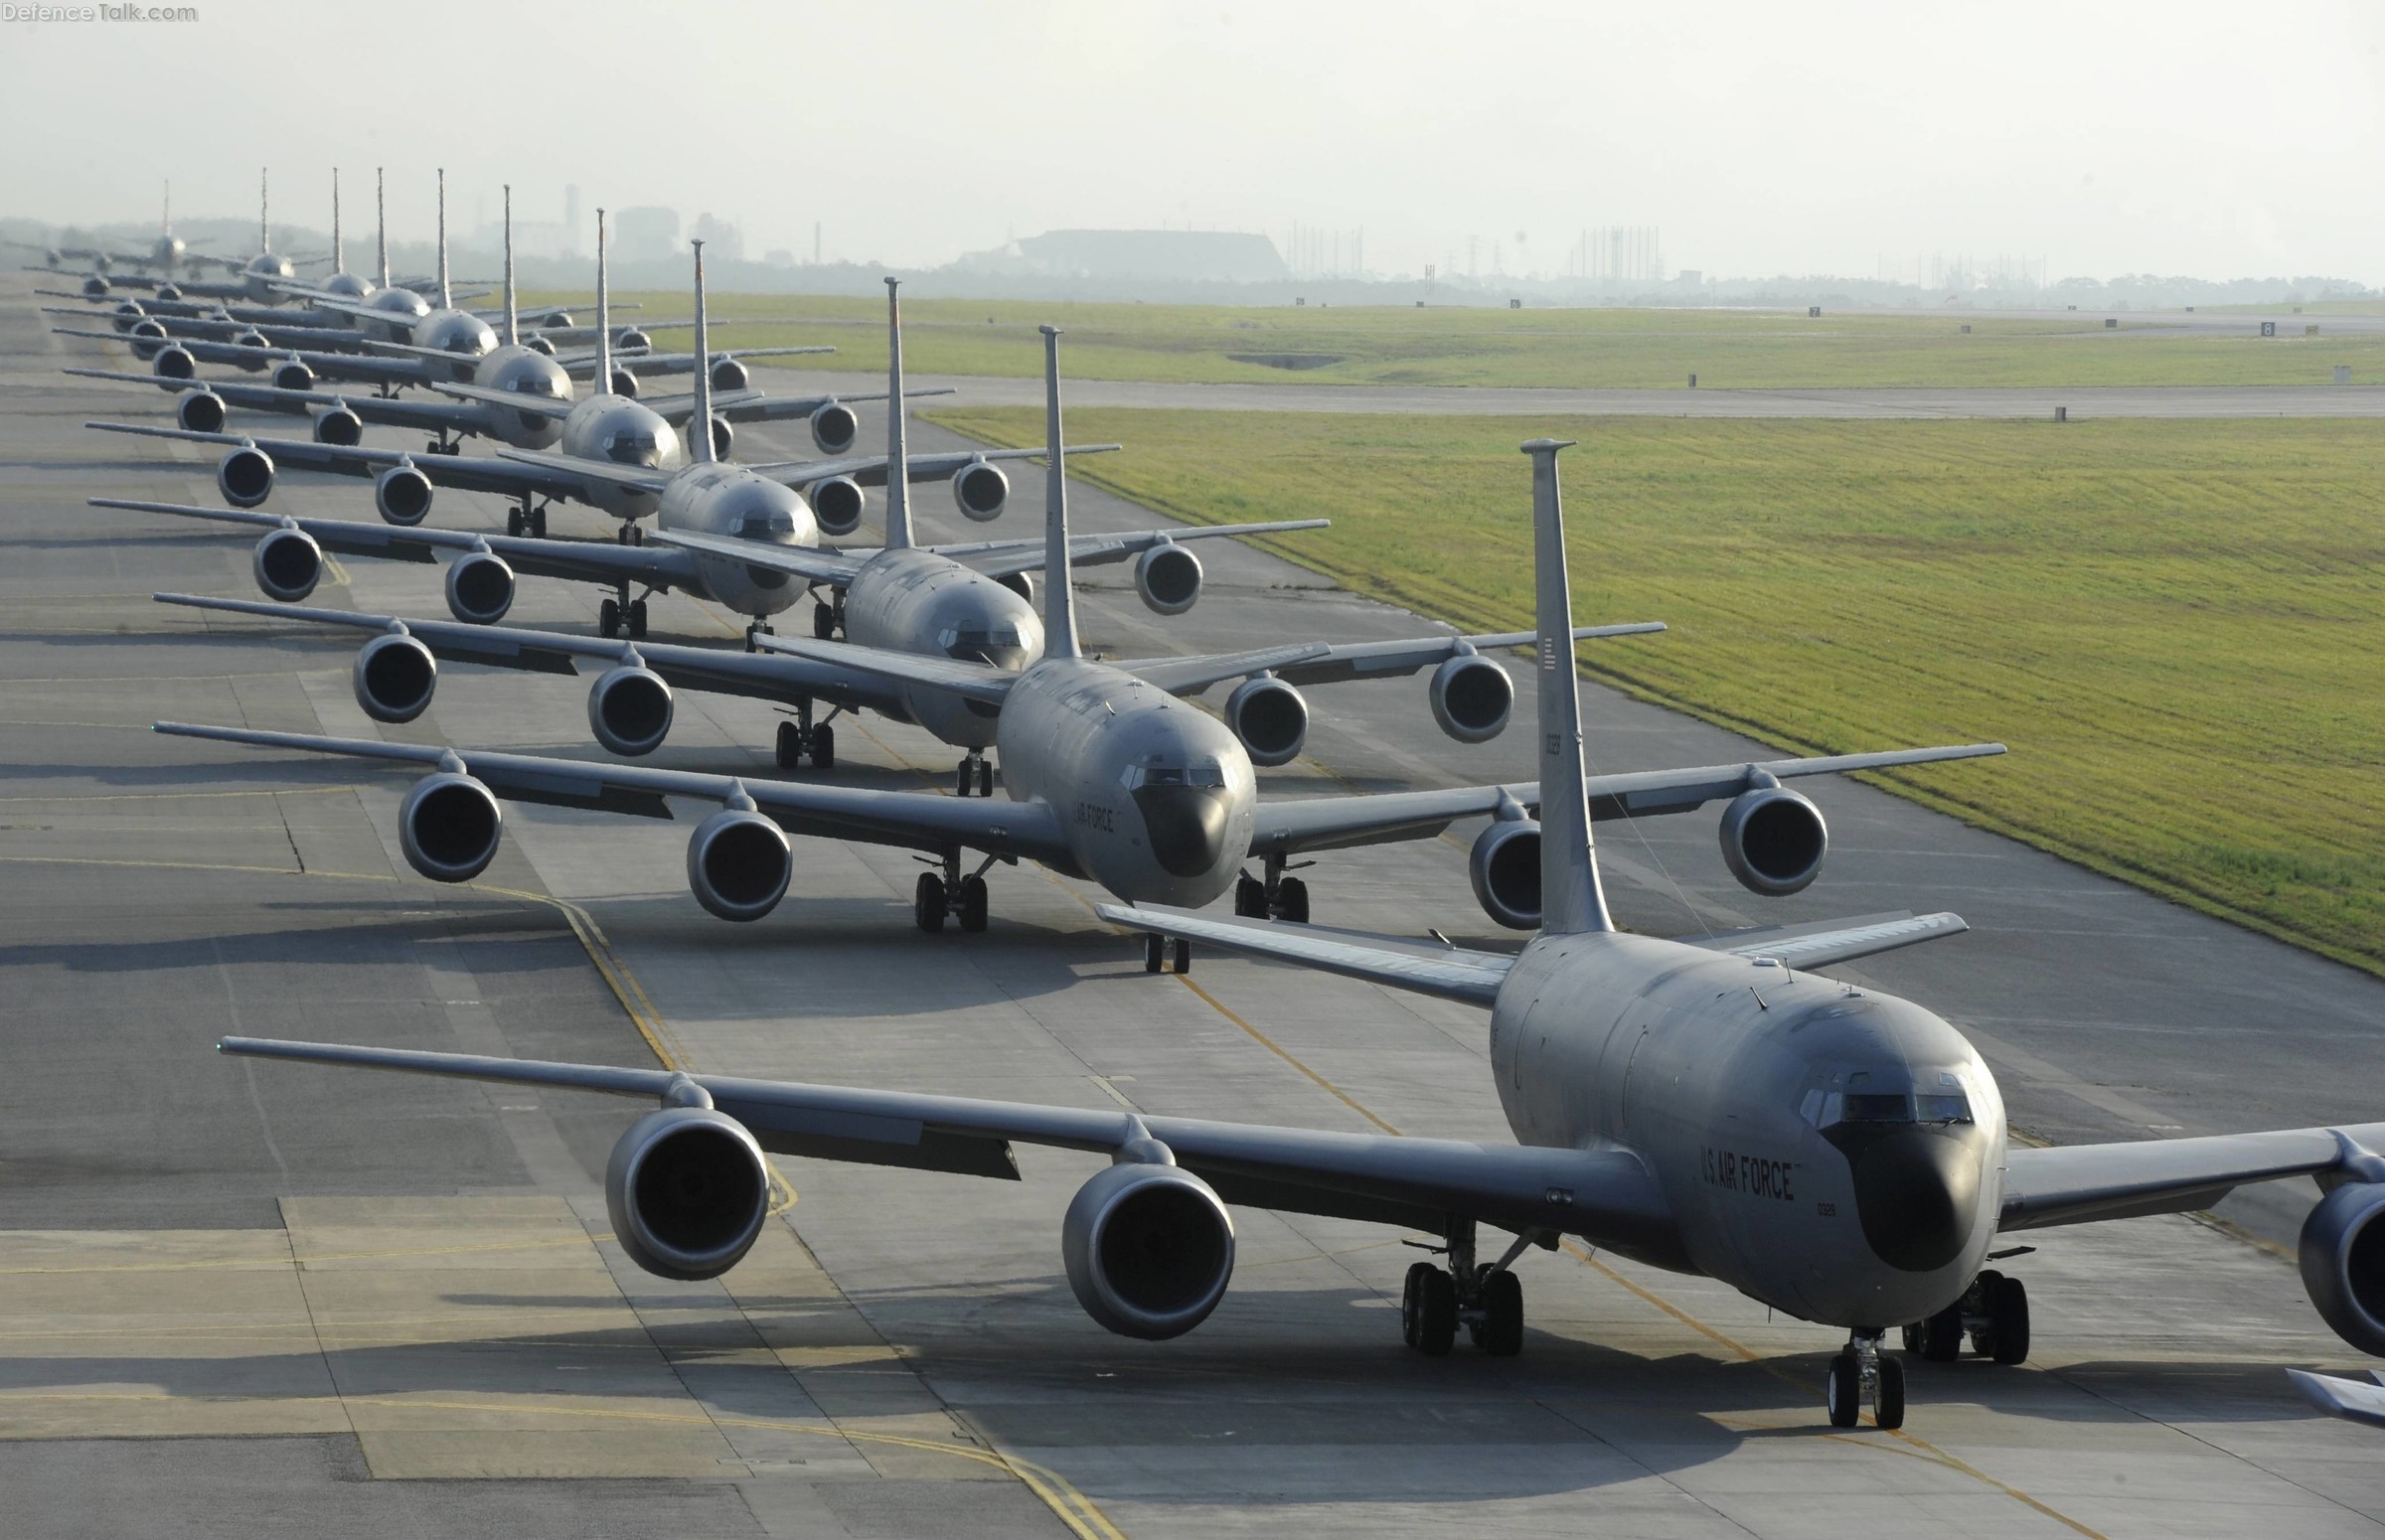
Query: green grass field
(1635, 349)
(2178, 627)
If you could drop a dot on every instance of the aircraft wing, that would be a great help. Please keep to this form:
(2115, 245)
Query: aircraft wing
(2070, 1184)
(1451, 973)
(1337, 822)
(1607, 1196)
(2353, 1399)
(603, 561)
(641, 478)
(337, 366)
(717, 669)
(1820, 944)
(1333, 662)
(919, 820)
(808, 562)
(643, 364)
(545, 406)
(469, 472)
(970, 681)
(1191, 676)
(755, 404)
(870, 470)
(1001, 559)
(384, 410)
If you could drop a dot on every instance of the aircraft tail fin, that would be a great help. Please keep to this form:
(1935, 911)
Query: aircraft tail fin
(700, 425)
(381, 223)
(604, 318)
(513, 323)
(1059, 587)
(338, 241)
(1571, 900)
(265, 212)
(898, 457)
(446, 296)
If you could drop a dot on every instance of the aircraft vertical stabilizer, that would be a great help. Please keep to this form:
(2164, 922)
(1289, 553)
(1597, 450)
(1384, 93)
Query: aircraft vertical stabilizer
(899, 459)
(700, 428)
(603, 382)
(381, 223)
(1571, 900)
(1059, 587)
(513, 324)
(446, 296)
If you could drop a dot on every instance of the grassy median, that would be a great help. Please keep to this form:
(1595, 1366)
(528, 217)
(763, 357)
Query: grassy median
(2180, 627)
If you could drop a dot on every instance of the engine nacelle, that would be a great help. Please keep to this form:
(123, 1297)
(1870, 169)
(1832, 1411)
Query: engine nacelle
(1149, 1250)
(252, 337)
(288, 563)
(625, 385)
(835, 426)
(1021, 583)
(403, 495)
(629, 710)
(538, 344)
(730, 375)
(480, 588)
(738, 864)
(245, 476)
(199, 412)
(340, 426)
(94, 287)
(448, 826)
(981, 491)
(1270, 718)
(1773, 840)
(125, 314)
(148, 337)
(724, 436)
(687, 1191)
(170, 293)
(174, 363)
(1505, 868)
(1471, 698)
(2342, 1255)
(293, 374)
(631, 339)
(837, 503)
(394, 676)
(1167, 576)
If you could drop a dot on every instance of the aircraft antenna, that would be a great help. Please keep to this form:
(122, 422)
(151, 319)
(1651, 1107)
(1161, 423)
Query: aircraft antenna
(1571, 900)
(700, 439)
(899, 459)
(1059, 590)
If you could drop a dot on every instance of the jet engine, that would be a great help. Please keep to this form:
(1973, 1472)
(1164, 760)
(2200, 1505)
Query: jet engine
(1021, 583)
(173, 364)
(1167, 576)
(1472, 697)
(629, 710)
(125, 314)
(687, 1191)
(1773, 840)
(288, 563)
(837, 503)
(730, 375)
(981, 491)
(2342, 1256)
(394, 676)
(448, 826)
(148, 337)
(1148, 1249)
(94, 287)
(245, 476)
(1505, 868)
(252, 337)
(835, 425)
(199, 412)
(538, 344)
(170, 293)
(631, 339)
(1270, 718)
(724, 436)
(625, 385)
(480, 588)
(738, 864)
(339, 425)
(403, 495)
(293, 374)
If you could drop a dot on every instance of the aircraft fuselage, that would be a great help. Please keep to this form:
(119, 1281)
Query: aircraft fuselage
(915, 601)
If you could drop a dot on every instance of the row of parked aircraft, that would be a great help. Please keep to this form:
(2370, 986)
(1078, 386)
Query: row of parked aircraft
(1713, 1106)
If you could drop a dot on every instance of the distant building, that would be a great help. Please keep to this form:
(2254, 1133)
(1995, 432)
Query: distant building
(645, 234)
(726, 241)
(1219, 256)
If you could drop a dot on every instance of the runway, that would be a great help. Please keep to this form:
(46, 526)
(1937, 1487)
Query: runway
(393, 1304)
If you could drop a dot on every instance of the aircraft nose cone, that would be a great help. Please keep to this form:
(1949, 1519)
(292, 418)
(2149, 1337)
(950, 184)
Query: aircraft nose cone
(1916, 1191)
(1186, 825)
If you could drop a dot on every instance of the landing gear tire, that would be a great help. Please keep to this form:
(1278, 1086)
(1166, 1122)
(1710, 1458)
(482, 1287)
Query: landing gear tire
(823, 749)
(1941, 1337)
(535, 523)
(1251, 899)
(985, 777)
(514, 519)
(608, 618)
(964, 780)
(973, 904)
(1409, 1314)
(824, 622)
(1429, 1313)
(2008, 1307)
(790, 745)
(927, 902)
(1155, 953)
(1888, 1403)
(1183, 960)
(1291, 901)
(637, 618)
(1843, 1391)
(1500, 1332)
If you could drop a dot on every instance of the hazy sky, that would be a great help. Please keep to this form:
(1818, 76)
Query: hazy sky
(1762, 137)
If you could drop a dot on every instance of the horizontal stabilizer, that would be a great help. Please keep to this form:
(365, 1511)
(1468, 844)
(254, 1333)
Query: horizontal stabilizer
(1836, 941)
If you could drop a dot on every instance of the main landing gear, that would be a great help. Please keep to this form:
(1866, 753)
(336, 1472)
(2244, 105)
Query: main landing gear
(757, 628)
(975, 777)
(949, 895)
(623, 614)
(1155, 954)
(525, 520)
(1994, 1312)
(1858, 1374)
(1278, 897)
(799, 738)
(1487, 1301)
(827, 620)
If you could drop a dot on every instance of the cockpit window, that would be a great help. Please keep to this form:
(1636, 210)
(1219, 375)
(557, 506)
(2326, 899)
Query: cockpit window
(1829, 1109)
(1174, 775)
(1876, 1106)
(1943, 1106)
(778, 525)
(631, 448)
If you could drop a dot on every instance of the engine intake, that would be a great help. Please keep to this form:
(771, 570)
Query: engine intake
(148, 338)
(1149, 1250)
(292, 375)
(199, 412)
(981, 491)
(2342, 1255)
(730, 375)
(738, 864)
(687, 1191)
(837, 503)
(245, 476)
(394, 676)
(480, 588)
(625, 385)
(724, 437)
(1021, 583)
(629, 710)
(1167, 576)
(448, 826)
(174, 363)
(288, 563)
(1505, 868)
(403, 494)
(1270, 718)
(1471, 698)
(339, 426)
(835, 425)
(1773, 840)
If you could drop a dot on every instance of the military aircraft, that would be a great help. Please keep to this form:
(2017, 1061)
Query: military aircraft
(168, 254)
(1109, 776)
(1837, 1154)
(2339, 1397)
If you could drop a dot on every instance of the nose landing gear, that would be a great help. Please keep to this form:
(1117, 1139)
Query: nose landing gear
(1858, 1374)
(975, 777)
